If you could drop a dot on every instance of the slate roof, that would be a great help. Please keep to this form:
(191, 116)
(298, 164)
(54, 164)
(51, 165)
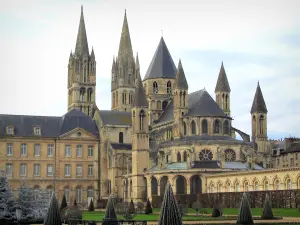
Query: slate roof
(222, 83)
(119, 146)
(81, 42)
(140, 99)
(181, 82)
(211, 164)
(200, 103)
(258, 104)
(111, 117)
(241, 166)
(295, 147)
(162, 64)
(50, 126)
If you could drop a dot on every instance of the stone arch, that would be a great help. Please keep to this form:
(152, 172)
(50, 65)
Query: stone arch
(276, 183)
(154, 186)
(180, 184)
(193, 127)
(219, 186)
(195, 184)
(288, 182)
(211, 187)
(245, 185)
(266, 184)
(237, 185)
(227, 185)
(255, 184)
(163, 183)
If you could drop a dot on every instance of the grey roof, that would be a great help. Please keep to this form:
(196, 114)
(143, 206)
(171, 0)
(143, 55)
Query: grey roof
(280, 145)
(50, 126)
(111, 117)
(241, 166)
(119, 146)
(222, 83)
(169, 212)
(211, 164)
(295, 147)
(258, 104)
(140, 99)
(167, 114)
(162, 64)
(125, 47)
(181, 82)
(200, 103)
(110, 216)
(171, 166)
(53, 214)
(82, 47)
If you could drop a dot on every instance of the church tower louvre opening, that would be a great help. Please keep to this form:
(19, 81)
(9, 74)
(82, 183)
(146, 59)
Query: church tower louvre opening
(81, 73)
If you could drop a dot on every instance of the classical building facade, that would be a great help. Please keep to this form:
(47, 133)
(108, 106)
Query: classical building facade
(156, 131)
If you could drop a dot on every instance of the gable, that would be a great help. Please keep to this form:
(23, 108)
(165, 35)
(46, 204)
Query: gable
(78, 133)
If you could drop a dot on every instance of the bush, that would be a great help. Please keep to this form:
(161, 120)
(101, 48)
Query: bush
(148, 209)
(91, 206)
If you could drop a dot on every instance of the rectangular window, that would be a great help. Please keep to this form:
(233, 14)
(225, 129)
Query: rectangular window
(8, 169)
(79, 150)
(23, 149)
(37, 131)
(90, 151)
(79, 195)
(9, 149)
(37, 150)
(23, 169)
(90, 170)
(10, 130)
(36, 170)
(50, 150)
(278, 162)
(67, 194)
(68, 170)
(292, 162)
(79, 170)
(49, 170)
(68, 151)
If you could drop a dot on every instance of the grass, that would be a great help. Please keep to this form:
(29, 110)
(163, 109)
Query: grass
(228, 213)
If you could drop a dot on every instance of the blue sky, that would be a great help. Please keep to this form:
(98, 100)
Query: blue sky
(256, 40)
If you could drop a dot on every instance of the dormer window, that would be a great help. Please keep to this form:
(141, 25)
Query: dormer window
(37, 131)
(9, 130)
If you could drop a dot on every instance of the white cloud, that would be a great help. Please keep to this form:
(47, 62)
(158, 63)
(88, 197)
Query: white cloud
(37, 37)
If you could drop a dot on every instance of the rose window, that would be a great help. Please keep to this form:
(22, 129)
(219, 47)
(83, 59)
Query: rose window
(230, 155)
(205, 155)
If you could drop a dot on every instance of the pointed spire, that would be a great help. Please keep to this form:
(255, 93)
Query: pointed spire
(245, 215)
(81, 42)
(71, 53)
(258, 104)
(125, 47)
(169, 213)
(53, 215)
(113, 64)
(181, 82)
(162, 64)
(140, 99)
(222, 83)
(137, 62)
(92, 53)
(110, 216)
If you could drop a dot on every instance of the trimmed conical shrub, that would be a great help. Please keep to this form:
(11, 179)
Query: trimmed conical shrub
(64, 203)
(245, 215)
(217, 209)
(267, 213)
(110, 217)
(91, 206)
(169, 212)
(53, 214)
(148, 209)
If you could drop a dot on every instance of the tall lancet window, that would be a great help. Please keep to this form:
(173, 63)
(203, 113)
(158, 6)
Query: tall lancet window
(184, 95)
(226, 102)
(169, 87)
(261, 124)
(142, 115)
(180, 99)
(85, 73)
(155, 88)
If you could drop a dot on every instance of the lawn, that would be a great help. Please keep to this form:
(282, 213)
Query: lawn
(228, 213)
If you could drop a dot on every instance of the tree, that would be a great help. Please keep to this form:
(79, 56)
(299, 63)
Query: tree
(91, 206)
(148, 209)
(64, 203)
(7, 202)
(245, 215)
(267, 213)
(27, 203)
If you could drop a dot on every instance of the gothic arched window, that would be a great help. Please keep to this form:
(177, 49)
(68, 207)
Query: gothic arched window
(184, 128)
(217, 127)
(124, 98)
(81, 94)
(178, 157)
(169, 87)
(226, 127)
(142, 115)
(226, 102)
(193, 127)
(164, 105)
(261, 124)
(155, 87)
(89, 94)
(184, 96)
(184, 156)
(204, 127)
(121, 137)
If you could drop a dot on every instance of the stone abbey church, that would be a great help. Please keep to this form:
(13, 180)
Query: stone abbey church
(156, 131)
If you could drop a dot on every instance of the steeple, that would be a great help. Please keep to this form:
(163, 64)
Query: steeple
(82, 47)
(140, 99)
(181, 82)
(169, 213)
(222, 83)
(92, 54)
(258, 105)
(137, 62)
(125, 47)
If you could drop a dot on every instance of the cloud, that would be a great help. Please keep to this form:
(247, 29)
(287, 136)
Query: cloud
(257, 40)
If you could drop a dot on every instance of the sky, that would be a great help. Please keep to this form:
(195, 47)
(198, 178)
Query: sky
(257, 41)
